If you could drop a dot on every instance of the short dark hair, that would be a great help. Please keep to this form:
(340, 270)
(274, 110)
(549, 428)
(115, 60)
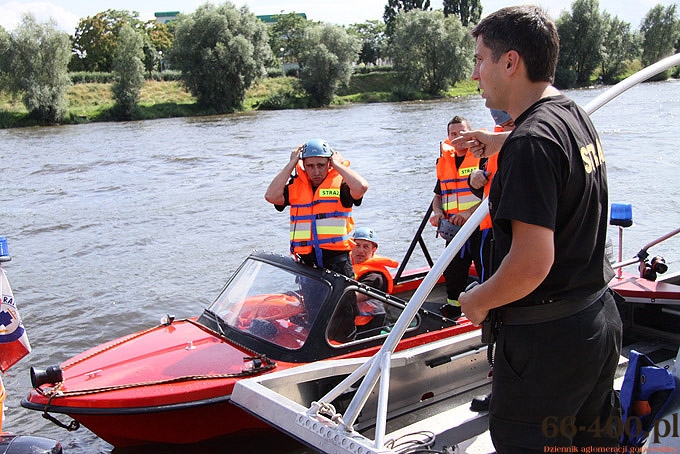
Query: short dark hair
(529, 31)
(459, 119)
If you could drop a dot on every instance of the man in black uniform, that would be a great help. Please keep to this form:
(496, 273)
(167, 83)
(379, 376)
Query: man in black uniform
(560, 336)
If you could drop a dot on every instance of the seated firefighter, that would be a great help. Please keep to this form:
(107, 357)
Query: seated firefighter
(370, 269)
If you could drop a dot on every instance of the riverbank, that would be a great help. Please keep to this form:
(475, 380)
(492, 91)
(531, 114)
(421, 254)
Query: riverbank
(92, 102)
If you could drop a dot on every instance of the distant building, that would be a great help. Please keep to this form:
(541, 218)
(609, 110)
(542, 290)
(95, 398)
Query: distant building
(270, 19)
(165, 17)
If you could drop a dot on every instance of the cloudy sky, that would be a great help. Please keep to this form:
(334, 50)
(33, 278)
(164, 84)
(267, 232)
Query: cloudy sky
(67, 13)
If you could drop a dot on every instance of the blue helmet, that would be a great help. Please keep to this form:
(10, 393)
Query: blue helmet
(500, 116)
(316, 148)
(365, 233)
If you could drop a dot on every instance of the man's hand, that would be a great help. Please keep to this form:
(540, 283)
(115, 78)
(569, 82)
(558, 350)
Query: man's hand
(471, 310)
(482, 143)
(296, 155)
(435, 218)
(479, 178)
(337, 160)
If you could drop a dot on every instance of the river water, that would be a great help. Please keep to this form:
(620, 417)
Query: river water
(112, 225)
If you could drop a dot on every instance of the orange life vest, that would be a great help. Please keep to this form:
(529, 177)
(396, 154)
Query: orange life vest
(376, 264)
(317, 219)
(491, 168)
(455, 191)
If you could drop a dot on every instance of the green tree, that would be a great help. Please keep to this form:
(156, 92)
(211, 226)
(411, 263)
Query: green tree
(326, 58)
(431, 52)
(619, 47)
(39, 68)
(468, 11)
(221, 51)
(5, 55)
(96, 37)
(660, 31)
(394, 7)
(373, 40)
(128, 72)
(581, 34)
(157, 43)
(286, 35)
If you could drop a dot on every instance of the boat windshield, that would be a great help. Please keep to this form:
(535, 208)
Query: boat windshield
(272, 303)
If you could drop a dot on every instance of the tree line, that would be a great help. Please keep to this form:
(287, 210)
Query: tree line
(219, 51)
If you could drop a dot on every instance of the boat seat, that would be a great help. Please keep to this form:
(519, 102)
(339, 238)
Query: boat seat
(372, 328)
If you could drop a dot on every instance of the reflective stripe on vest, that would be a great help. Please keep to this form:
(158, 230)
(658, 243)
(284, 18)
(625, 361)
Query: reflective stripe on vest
(455, 192)
(318, 220)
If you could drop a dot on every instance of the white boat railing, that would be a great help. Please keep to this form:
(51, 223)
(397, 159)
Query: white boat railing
(379, 365)
(631, 81)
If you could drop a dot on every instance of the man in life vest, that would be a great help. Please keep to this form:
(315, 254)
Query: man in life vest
(321, 189)
(370, 269)
(454, 202)
(480, 183)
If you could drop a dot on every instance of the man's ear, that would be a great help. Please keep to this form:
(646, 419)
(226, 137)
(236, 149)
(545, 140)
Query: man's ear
(512, 60)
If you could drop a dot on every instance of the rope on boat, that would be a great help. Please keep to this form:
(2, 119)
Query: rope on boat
(73, 425)
(261, 364)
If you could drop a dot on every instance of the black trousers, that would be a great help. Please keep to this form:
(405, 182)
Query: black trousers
(476, 249)
(553, 382)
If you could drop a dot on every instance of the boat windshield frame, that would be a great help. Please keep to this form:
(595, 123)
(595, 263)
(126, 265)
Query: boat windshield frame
(275, 304)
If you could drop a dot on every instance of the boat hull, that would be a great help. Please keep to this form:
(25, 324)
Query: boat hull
(188, 423)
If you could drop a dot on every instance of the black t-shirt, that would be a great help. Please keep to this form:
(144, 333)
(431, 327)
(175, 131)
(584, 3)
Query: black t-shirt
(551, 173)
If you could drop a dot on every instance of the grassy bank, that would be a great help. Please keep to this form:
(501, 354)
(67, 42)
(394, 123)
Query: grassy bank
(91, 102)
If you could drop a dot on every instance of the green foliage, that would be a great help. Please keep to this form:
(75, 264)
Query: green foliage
(96, 38)
(371, 82)
(581, 34)
(468, 11)
(430, 51)
(83, 77)
(661, 30)
(86, 77)
(160, 35)
(157, 43)
(326, 58)
(394, 7)
(5, 56)
(286, 35)
(220, 51)
(167, 75)
(373, 40)
(39, 68)
(128, 72)
(283, 99)
(619, 47)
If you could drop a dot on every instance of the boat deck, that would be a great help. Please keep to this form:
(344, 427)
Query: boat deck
(662, 354)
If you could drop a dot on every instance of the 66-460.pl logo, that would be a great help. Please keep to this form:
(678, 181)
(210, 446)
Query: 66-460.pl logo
(613, 427)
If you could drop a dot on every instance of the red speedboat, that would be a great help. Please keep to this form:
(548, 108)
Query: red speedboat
(172, 383)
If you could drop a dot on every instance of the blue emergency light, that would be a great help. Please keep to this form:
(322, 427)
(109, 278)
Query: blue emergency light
(621, 214)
